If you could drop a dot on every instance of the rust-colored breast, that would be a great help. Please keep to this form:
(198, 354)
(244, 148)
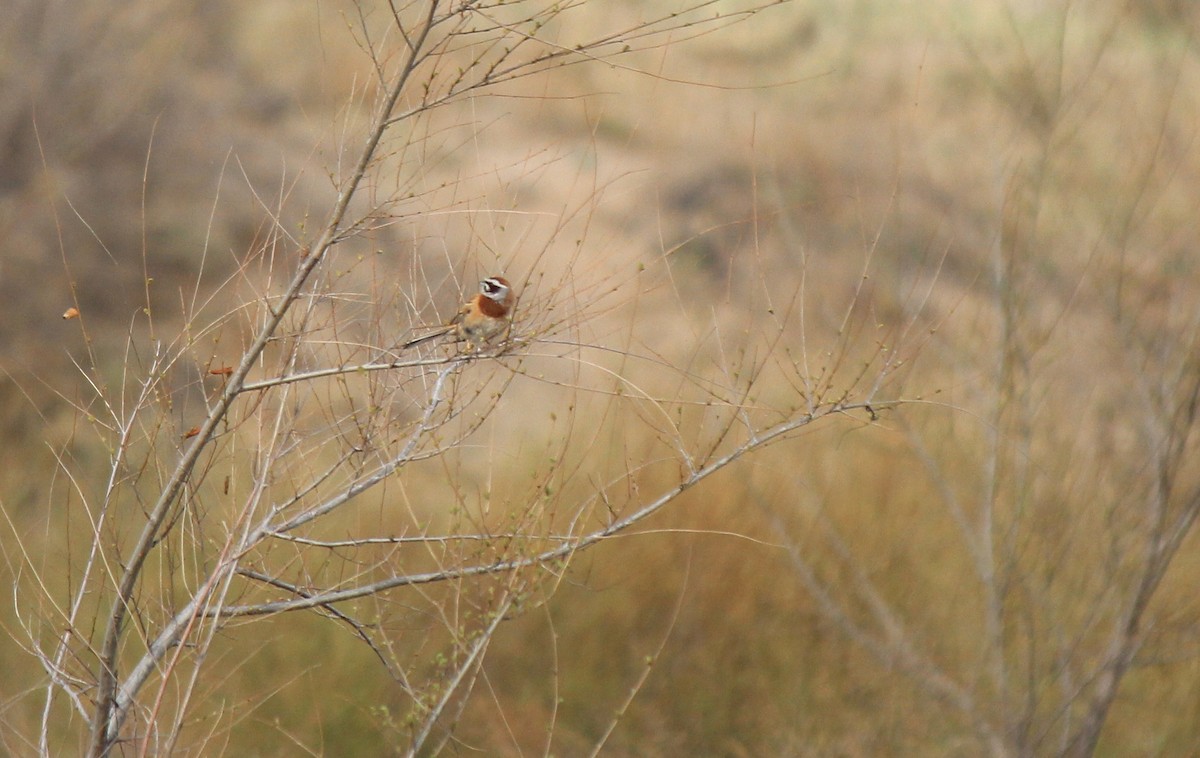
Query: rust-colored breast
(491, 308)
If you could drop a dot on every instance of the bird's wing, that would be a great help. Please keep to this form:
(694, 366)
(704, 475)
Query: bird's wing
(462, 313)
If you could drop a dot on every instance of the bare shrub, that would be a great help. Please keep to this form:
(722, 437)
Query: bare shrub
(282, 454)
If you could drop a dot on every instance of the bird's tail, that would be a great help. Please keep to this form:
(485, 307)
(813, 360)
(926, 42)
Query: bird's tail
(427, 337)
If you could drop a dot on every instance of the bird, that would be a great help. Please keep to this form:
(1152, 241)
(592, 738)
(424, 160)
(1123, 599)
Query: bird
(481, 319)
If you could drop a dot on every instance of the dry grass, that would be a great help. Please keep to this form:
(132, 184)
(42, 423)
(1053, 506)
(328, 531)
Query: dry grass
(1017, 182)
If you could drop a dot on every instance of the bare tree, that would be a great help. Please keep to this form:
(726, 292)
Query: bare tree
(250, 456)
(1075, 489)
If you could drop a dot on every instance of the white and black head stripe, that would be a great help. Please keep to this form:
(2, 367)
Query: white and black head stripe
(493, 287)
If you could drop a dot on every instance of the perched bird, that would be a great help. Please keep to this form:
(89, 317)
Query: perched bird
(480, 319)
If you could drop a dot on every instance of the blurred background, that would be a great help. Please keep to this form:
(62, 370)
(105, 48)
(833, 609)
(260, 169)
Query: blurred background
(1015, 184)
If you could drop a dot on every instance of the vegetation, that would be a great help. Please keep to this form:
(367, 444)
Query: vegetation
(849, 407)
